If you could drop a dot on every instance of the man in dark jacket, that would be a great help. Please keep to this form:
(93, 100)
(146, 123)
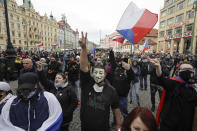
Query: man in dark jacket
(154, 85)
(144, 72)
(180, 98)
(32, 109)
(27, 67)
(53, 68)
(122, 75)
(97, 95)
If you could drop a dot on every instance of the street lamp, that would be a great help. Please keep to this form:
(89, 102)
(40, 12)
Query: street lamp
(11, 53)
(193, 29)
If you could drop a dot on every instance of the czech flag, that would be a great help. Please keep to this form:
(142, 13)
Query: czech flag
(136, 23)
(145, 47)
(117, 38)
(93, 52)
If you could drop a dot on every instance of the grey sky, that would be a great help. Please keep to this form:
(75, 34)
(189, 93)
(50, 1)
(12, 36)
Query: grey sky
(92, 16)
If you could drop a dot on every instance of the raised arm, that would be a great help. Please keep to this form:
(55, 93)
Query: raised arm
(83, 56)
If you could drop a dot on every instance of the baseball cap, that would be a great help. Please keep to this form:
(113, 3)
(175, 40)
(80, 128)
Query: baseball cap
(4, 86)
(28, 81)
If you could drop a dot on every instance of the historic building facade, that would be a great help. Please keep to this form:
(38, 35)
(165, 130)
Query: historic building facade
(28, 29)
(68, 38)
(176, 27)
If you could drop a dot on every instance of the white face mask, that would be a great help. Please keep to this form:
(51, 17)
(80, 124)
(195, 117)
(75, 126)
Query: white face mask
(58, 84)
(97, 88)
(98, 75)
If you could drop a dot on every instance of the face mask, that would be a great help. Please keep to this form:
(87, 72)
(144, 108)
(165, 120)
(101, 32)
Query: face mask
(98, 75)
(187, 76)
(97, 88)
(58, 84)
(26, 94)
(144, 60)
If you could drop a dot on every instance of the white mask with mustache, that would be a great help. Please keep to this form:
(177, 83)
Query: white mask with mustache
(98, 75)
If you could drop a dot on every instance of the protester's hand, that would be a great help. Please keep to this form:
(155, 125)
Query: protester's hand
(39, 66)
(82, 41)
(154, 62)
(125, 65)
(118, 127)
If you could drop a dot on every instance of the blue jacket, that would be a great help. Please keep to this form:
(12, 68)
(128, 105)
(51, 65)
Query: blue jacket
(34, 111)
(137, 74)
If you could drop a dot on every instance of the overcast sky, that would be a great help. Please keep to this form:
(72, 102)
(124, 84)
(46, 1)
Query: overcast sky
(92, 16)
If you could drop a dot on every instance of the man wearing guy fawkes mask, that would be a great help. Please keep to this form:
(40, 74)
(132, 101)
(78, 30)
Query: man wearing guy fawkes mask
(97, 95)
(179, 99)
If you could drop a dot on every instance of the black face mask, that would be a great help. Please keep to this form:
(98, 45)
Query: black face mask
(187, 76)
(25, 94)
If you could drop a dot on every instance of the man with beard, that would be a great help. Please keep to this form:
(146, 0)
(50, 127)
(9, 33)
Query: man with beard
(97, 95)
(53, 68)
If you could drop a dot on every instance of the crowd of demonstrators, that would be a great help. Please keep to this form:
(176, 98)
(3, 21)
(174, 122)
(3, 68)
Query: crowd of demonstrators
(98, 82)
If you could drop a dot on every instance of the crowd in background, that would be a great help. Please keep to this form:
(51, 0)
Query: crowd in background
(53, 67)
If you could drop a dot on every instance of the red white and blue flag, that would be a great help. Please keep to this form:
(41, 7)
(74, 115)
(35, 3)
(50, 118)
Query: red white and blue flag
(136, 23)
(145, 47)
(118, 38)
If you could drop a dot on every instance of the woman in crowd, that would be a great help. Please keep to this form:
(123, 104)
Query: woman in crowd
(140, 119)
(64, 93)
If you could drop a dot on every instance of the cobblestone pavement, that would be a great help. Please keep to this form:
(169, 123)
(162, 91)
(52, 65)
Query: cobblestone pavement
(145, 101)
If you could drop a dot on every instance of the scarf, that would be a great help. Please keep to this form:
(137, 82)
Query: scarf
(161, 103)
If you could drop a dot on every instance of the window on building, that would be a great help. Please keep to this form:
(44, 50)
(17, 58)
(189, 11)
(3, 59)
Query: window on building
(190, 2)
(169, 32)
(162, 24)
(180, 5)
(167, 3)
(190, 14)
(18, 26)
(24, 27)
(163, 13)
(18, 19)
(179, 18)
(25, 35)
(0, 27)
(13, 33)
(188, 28)
(178, 30)
(12, 25)
(19, 41)
(170, 21)
(161, 34)
(11, 17)
(171, 10)
(13, 42)
(19, 34)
